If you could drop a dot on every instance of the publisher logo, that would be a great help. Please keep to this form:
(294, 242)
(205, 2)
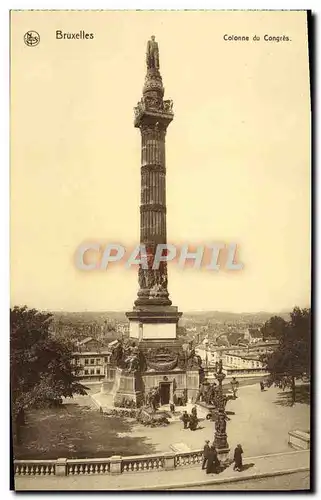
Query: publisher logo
(31, 38)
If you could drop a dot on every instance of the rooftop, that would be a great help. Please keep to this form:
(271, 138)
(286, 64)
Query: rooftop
(91, 353)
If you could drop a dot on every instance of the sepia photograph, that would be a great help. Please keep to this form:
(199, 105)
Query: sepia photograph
(160, 250)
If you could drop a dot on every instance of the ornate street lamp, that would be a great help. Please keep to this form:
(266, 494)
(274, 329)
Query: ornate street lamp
(220, 438)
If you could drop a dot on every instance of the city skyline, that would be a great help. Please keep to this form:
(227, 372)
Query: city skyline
(186, 311)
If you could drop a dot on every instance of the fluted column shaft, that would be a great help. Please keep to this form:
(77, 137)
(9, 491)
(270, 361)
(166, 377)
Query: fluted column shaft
(153, 187)
(152, 117)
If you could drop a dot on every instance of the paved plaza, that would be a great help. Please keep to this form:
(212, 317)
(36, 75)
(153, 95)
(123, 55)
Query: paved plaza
(287, 482)
(260, 421)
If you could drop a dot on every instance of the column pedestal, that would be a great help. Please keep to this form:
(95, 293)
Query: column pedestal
(153, 322)
(223, 454)
(127, 387)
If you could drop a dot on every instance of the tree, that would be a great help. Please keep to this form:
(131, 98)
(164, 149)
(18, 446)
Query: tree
(292, 359)
(41, 368)
(274, 327)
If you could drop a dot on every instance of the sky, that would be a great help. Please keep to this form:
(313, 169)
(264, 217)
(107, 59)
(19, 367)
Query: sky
(237, 155)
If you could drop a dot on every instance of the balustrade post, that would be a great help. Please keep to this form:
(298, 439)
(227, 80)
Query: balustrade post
(61, 467)
(169, 461)
(116, 464)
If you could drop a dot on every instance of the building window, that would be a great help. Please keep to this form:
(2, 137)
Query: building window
(98, 371)
(86, 361)
(92, 371)
(86, 372)
(92, 361)
(98, 361)
(105, 359)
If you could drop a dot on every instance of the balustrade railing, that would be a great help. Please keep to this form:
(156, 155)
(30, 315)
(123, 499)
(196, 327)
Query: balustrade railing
(142, 463)
(188, 458)
(34, 467)
(112, 465)
(76, 467)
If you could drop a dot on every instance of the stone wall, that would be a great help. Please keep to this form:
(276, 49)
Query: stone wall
(182, 383)
(299, 440)
(112, 465)
(128, 386)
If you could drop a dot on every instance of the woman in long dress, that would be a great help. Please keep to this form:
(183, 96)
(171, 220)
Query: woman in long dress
(212, 461)
(193, 421)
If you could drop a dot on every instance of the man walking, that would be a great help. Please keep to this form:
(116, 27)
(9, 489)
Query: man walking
(238, 463)
(193, 421)
(205, 454)
(235, 386)
(185, 419)
(213, 463)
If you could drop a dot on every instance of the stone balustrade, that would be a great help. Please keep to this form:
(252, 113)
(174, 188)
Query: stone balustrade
(188, 458)
(35, 467)
(75, 467)
(142, 463)
(112, 465)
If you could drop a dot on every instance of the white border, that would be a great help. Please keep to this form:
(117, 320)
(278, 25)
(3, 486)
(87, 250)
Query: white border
(4, 170)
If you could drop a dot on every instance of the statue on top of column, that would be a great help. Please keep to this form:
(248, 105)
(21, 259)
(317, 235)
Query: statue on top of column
(152, 54)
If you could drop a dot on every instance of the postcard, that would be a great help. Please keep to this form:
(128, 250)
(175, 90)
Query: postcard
(160, 321)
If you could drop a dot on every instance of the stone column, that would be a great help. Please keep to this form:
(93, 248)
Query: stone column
(153, 307)
(152, 117)
(153, 282)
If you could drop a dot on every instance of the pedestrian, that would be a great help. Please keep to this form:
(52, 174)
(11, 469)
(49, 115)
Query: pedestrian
(193, 421)
(262, 386)
(238, 464)
(172, 407)
(194, 411)
(213, 462)
(235, 386)
(185, 419)
(205, 454)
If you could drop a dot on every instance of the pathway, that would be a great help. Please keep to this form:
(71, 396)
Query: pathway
(255, 468)
(258, 422)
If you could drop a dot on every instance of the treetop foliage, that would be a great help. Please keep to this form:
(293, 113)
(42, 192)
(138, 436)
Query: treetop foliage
(41, 366)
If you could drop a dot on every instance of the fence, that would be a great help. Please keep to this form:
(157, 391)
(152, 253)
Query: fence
(112, 465)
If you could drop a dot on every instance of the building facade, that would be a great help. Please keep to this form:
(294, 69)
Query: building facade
(243, 359)
(91, 359)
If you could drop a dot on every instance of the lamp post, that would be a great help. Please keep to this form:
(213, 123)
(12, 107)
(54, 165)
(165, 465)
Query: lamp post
(220, 438)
